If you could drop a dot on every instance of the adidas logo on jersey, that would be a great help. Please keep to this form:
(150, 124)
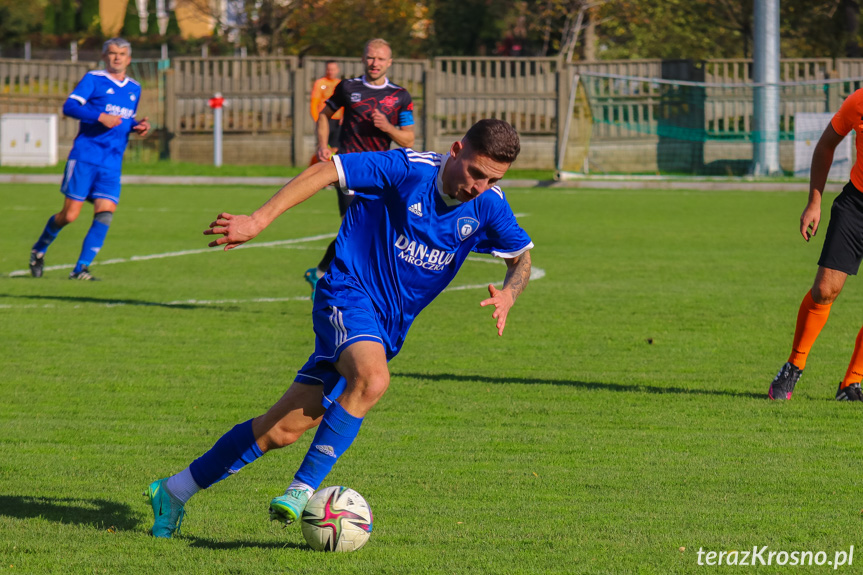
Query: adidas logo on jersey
(417, 209)
(110, 91)
(326, 450)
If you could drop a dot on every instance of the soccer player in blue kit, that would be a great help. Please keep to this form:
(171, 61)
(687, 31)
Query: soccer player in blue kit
(415, 219)
(105, 102)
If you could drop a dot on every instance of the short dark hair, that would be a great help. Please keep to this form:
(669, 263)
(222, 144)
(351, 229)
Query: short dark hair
(494, 139)
(328, 62)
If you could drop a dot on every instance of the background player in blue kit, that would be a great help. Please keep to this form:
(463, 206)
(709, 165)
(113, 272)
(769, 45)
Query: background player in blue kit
(105, 101)
(376, 114)
(415, 219)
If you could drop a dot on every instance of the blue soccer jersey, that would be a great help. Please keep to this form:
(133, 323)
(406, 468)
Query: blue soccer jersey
(402, 240)
(98, 93)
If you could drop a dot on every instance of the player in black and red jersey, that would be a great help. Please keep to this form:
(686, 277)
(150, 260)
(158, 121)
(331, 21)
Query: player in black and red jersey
(377, 113)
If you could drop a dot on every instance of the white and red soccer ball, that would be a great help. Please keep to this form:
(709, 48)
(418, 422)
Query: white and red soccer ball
(337, 519)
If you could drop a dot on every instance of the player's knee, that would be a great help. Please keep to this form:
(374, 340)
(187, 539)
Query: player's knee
(371, 387)
(825, 293)
(66, 217)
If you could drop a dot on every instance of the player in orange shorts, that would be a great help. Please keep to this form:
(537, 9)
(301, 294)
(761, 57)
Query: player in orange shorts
(840, 256)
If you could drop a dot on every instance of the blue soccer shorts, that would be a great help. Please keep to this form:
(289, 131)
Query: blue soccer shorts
(87, 182)
(339, 321)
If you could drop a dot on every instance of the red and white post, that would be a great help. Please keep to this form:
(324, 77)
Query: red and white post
(216, 103)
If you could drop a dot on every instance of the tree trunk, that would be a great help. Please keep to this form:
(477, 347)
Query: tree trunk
(590, 38)
(851, 13)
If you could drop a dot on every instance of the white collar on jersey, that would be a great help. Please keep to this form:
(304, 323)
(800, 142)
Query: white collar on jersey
(372, 86)
(446, 199)
(105, 74)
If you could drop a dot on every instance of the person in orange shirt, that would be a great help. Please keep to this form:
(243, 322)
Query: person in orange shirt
(840, 255)
(322, 89)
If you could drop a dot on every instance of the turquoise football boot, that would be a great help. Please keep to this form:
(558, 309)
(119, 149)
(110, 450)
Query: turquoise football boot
(168, 513)
(311, 276)
(289, 507)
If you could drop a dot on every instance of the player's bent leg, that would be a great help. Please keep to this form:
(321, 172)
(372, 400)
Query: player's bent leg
(103, 214)
(168, 497)
(70, 211)
(297, 411)
(828, 285)
(811, 319)
(364, 367)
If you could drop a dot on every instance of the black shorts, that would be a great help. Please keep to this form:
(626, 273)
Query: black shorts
(335, 132)
(843, 245)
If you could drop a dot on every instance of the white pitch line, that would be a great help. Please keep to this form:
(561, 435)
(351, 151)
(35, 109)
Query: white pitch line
(277, 243)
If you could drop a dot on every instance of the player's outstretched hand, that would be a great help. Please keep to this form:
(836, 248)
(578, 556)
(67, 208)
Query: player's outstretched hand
(236, 230)
(142, 127)
(809, 220)
(502, 301)
(110, 121)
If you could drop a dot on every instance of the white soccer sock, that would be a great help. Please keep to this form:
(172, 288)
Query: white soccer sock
(182, 486)
(300, 485)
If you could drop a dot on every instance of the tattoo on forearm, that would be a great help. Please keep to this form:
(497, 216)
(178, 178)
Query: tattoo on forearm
(518, 275)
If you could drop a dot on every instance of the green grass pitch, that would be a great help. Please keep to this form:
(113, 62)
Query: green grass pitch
(621, 418)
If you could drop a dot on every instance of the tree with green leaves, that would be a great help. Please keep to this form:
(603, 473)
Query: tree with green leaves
(66, 17)
(49, 17)
(343, 28)
(173, 26)
(724, 29)
(132, 23)
(467, 27)
(88, 17)
(152, 19)
(330, 27)
(20, 18)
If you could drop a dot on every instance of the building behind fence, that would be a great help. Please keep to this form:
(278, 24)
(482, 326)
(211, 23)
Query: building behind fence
(619, 122)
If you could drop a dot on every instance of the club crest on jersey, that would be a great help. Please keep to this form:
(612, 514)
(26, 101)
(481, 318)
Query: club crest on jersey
(355, 97)
(388, 103)
(132, 97)
(466, 227)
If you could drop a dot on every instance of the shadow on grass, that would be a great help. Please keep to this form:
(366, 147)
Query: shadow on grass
(224, 545)
(107, 301)
(98, 513)
(581, 384)
(102, 514)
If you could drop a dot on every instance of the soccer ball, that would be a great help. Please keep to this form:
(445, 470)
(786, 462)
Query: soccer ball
(337, 519)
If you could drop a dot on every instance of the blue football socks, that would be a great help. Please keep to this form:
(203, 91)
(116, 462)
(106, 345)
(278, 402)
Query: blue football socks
(94, 240)
(233, 451)
(49, 234)
(337, 431)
